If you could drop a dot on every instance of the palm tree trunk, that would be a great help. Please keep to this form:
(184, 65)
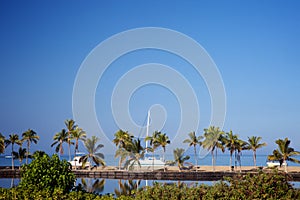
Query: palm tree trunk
(12, 156)
(75, 161)
(60, 149)
(152, 157)
(69, 147)
(27, 152)
(213, 160)
(230, 161)
(195, 154)
(254, 158)
(164, 159)
(235, 159)
(285, 166)
(240, 160)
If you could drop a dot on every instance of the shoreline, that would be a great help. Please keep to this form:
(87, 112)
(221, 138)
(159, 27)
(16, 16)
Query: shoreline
(202, 168)
(203, 173)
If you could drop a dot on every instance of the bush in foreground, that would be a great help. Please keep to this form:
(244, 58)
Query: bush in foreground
(47, 173)
(273, 185)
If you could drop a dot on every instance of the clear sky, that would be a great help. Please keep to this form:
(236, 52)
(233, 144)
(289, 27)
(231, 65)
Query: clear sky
(255, 45)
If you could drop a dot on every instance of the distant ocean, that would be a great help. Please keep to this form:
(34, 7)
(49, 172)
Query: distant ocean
(111, 185)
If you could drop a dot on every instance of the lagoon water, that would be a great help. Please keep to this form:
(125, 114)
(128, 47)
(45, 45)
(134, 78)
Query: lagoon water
(110, 186)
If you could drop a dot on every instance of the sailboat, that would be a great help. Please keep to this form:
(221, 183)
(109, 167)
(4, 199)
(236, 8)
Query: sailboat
(149, 161)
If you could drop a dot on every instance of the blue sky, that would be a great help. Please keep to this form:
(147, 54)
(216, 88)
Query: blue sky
(255, 45)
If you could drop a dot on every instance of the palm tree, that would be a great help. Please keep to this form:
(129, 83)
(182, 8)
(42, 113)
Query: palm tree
(123, 154)
(231, 141)
(241, 145)
(179, 157)
(78, 134)
(21, 154)
(29, 136)
(153, 144)
(136, 153)
(93, 155)
(13, 139)
(122, 140)
(162, 140)
(284, 152)
(2, 143)
(60, 138)
(70, 124)
(253, 144)
(213, 141)
(193, 140)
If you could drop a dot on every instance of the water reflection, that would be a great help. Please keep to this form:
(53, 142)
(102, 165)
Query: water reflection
(92, 185)
(126, 187)
(12, 183)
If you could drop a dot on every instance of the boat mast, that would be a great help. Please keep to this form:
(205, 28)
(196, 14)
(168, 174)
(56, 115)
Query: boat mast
(148, 124)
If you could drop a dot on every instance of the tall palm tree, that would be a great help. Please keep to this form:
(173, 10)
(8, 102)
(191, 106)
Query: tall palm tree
(153, 144)
(2, 143)
(13, 139)
(93, 155)
(253, 144)
(284, 152)
(20, 154)
(60, 138)
(70, 124)
(193, 140)
(162, 140)
(29, 136)
(231, 141)
(179, 157)
(122, 140)
(213, 141)
(240, 146)
(123, 154)
(78, 134)
(136, 153)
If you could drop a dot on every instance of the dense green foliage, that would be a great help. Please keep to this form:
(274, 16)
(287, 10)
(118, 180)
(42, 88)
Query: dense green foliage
(261, 186)
(47, 173)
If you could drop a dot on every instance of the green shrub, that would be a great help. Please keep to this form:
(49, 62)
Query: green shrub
(261, 186)
(47, 173)
(273, 185)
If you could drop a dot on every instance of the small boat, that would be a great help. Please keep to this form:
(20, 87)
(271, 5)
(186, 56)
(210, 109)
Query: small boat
(80, 153)
(8, 157)
(75, 163)
(150, 161)
(275, 163)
